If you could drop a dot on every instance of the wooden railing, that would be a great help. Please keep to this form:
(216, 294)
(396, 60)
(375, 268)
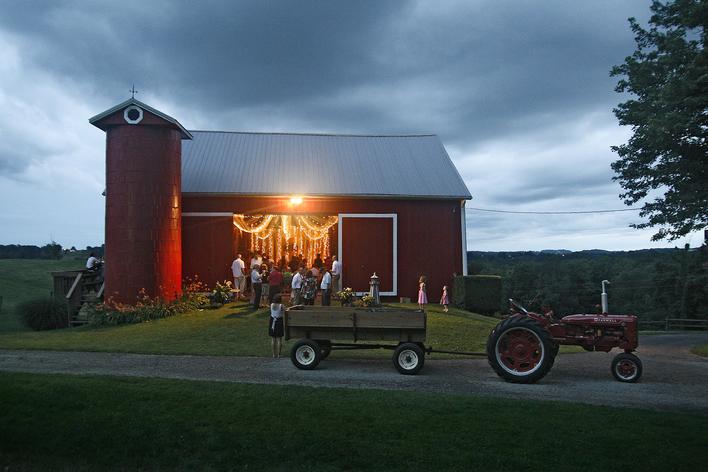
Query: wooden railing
(669, 324)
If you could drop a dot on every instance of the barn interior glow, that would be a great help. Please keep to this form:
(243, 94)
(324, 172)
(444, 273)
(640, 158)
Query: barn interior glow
(280, 236)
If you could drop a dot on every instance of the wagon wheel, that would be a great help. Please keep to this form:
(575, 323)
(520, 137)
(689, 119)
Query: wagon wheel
(626, 367)
(306, 354)
(520, 350)
(408, 358)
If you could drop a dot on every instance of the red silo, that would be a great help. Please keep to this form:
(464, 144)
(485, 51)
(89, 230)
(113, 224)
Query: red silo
(143, 202)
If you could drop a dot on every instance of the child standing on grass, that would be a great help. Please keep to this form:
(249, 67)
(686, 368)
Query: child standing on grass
(275, 325)
(422, 294)
(444, 300)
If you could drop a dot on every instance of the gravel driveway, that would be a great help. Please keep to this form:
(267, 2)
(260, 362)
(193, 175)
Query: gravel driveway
(674, 379)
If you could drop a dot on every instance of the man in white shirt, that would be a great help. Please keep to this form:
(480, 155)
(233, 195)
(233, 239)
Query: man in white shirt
(257, 284)
(295, 287)
(92, 262)
(326, 287)
(336, 272)
(238, 269)
(256, 260)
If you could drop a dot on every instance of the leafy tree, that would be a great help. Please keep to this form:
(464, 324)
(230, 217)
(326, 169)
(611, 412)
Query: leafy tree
(668, 151)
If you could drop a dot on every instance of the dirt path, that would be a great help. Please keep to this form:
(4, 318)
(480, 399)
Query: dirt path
(673, 378)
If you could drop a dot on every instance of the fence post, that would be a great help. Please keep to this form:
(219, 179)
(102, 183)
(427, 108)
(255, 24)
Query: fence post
(667, 324)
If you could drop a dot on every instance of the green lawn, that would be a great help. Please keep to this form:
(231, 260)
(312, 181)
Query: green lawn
(233, 330)
(108, 423)
(22, 279)
(701, 350)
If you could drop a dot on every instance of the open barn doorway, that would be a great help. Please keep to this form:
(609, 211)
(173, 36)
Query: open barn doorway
(364, 244)
(288, 240)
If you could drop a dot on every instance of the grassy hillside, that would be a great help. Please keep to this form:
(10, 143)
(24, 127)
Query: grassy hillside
(22, 279)
(233, 330)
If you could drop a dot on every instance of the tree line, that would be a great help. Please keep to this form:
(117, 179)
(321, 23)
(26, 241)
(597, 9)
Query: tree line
(51, 250)
(652, 284)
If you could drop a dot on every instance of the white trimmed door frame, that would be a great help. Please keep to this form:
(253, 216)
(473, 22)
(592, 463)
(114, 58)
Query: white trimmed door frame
(394, 217)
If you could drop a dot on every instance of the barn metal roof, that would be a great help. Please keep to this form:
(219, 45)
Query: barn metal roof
(215, 162)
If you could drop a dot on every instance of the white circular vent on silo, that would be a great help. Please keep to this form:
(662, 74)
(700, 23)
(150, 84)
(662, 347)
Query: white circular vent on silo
(133, 115)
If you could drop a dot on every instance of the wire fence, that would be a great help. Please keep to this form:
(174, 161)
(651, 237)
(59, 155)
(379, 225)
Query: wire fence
(670, 324)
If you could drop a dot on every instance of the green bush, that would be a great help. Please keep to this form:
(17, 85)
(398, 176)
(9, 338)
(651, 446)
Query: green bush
(478, 293)
(43, 313)
(146, 309)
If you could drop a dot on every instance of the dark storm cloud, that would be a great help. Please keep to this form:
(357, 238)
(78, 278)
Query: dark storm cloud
(519, 91)
(214, 54)
(466, 70)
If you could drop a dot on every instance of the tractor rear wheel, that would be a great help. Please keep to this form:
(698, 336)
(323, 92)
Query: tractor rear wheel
(520, 350)
(626, 367)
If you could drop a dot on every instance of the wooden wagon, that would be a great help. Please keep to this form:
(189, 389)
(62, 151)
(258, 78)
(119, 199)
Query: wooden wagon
(316, 328)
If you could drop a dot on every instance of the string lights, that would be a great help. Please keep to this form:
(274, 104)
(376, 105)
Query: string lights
(277, 235)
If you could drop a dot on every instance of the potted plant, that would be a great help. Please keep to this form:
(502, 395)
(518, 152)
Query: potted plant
(346, 296)
(221, 293)
(367, 300)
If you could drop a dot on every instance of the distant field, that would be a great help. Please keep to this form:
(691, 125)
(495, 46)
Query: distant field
(22, 279)
(62, 422)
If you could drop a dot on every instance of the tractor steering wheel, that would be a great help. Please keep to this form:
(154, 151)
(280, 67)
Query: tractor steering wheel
(517, 305)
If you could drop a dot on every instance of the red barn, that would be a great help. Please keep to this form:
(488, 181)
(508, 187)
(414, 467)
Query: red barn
(182, 203)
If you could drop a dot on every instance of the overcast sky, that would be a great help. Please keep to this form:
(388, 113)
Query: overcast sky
(518, 91)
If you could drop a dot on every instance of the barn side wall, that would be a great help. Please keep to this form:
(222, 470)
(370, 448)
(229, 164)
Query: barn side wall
(429, 233)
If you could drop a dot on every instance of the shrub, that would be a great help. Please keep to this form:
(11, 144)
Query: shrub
(146, 309)
(478, 293)
(43, 313)
(195, 293)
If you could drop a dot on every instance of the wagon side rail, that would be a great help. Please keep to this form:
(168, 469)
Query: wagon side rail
(355, 324)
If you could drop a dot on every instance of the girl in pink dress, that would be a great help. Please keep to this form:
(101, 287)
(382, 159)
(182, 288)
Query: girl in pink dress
(444, 300)
(422, 295)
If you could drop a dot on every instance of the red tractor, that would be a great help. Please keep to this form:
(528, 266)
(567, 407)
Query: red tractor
(523, 347)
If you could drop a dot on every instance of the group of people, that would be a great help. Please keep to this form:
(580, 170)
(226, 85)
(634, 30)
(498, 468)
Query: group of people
(265, 278)
(266, 281)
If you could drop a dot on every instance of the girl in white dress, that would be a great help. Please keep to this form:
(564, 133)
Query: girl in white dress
(275, 325)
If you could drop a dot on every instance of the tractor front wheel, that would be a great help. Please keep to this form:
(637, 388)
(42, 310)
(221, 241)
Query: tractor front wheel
(626, 367)
(520, 350)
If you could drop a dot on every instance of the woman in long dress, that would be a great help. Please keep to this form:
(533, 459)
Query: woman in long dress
(422, 294)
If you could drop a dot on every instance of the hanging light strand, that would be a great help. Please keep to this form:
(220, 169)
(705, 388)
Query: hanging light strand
(240, 221)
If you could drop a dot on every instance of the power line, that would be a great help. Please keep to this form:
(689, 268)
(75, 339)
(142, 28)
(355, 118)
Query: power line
(552, 212)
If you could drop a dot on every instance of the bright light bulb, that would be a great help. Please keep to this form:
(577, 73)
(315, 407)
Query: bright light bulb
(295, 200)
